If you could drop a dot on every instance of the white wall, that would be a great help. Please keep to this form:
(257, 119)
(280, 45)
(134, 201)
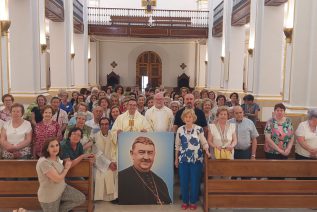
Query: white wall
(126, 51)
(92, 66)
(270, 62)
(161, 4)
(237, 44)
(215, 3)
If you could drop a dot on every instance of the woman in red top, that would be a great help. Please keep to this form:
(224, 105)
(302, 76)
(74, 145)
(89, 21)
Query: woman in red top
(45, 129)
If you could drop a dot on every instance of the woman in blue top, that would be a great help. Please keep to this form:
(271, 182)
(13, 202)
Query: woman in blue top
(189, 157)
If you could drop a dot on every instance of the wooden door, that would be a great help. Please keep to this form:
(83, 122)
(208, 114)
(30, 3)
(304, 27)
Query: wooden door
(149, 64)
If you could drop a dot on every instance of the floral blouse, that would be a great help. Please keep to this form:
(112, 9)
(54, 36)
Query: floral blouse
(281, 134)
(5, 116)
(43, 131)
(189, 144)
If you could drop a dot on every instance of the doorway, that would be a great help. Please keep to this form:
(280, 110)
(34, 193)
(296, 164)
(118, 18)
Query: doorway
(148, 70)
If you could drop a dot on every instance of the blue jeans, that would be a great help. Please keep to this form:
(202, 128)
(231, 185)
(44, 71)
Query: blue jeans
(190, 175)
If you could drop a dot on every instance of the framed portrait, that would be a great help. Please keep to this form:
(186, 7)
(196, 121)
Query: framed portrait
(146, 168)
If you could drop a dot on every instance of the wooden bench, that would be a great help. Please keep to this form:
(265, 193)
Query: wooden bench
(288, 193)
(21, 190)
(260, 154)
(171, 21)
(127, 20)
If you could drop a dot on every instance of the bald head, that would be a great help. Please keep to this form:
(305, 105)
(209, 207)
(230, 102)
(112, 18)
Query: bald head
(159, 100)
(238, 113)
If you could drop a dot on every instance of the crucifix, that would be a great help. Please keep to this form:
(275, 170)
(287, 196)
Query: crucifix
(148, 4)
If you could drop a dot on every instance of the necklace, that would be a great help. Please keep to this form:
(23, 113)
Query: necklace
(155, 193)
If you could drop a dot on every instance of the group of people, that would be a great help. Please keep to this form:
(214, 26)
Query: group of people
(87, 125)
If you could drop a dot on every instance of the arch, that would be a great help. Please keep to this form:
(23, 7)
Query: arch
(149, 64)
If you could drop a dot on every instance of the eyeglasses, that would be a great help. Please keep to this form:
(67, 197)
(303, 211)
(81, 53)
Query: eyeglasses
(104, 124)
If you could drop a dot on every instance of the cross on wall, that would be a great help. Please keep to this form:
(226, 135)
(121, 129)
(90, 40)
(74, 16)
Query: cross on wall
(148, 4)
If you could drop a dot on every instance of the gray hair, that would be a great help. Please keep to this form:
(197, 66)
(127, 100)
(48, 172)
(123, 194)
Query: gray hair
(312, 113)
(81, 114)
(175, 102)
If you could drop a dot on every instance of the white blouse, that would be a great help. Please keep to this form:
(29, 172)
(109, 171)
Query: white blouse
(16, 135)
(216, 136)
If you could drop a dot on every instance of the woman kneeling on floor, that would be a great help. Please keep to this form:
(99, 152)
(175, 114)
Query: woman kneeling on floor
(54, 194)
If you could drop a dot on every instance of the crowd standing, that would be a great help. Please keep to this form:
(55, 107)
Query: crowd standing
(86, 126)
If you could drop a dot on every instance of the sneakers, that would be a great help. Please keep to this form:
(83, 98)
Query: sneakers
(192, 206)
(184, 206)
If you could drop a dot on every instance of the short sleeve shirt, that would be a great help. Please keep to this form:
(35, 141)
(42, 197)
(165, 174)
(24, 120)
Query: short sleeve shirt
(310, 137)
(281, 134)
(68, 152)
(49, 191)
(245, 131)
(16, 135)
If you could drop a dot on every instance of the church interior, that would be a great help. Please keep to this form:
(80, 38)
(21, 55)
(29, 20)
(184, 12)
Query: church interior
(266, 48)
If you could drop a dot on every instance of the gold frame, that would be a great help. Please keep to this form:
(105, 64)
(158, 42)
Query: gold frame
(5, 25)
(250, 51)
(288, 32)
(43, 47)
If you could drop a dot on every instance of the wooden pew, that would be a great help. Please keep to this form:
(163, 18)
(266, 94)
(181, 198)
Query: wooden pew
(171, 21)
(21, 190)
(127, 20)
(260, 154)
(288, 193)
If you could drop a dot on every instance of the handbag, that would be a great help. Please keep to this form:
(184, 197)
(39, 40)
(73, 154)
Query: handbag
(222, 154)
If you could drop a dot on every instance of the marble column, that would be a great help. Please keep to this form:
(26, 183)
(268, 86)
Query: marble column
(62, 51)
(27, 61)
(300, 60)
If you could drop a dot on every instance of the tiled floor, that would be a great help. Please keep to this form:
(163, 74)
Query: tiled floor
(106, 206)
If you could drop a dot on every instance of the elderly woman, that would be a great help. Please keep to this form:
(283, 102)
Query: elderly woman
(72, 149)
(234, 100)
(279, 135)
(221, 100)
(212, 96)
(221, 134)
(174, 107)
(203, 94)
(141, 104)
(5, 113)
(92, 102)
(101, 94)
(104, 103)
(189, 145)
(54, 194)
(16, 135)
(114, 99)
(45, 129)
(81, 107)
(198, 104)
(65, 104)
(119, 90)
(250, 108)
(306, 145)
(114, 113)
(81, 118)
(207, 109)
